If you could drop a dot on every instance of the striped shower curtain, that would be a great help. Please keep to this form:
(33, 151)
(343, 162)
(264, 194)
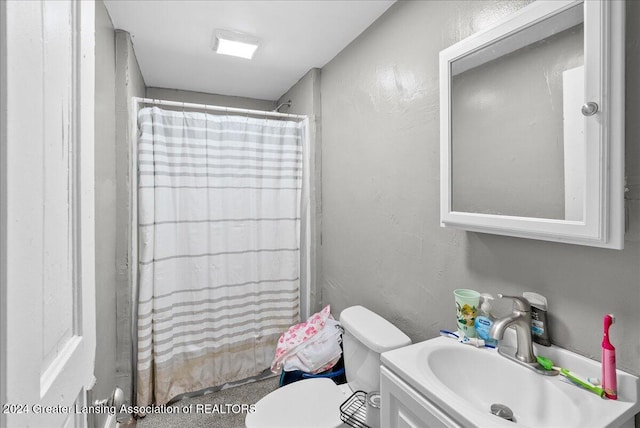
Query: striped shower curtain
(219, 202)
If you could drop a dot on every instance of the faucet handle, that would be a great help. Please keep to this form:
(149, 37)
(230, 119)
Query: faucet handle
(519, 303)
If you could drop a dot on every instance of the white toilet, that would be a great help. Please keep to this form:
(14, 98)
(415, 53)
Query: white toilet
(315, 403)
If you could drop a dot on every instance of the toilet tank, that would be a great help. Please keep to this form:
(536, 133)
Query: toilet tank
(366, 336)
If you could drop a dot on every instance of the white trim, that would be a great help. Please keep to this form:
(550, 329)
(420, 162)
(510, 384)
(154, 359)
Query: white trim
(65, 356)
(614, 98)
(3, 208)
(111, 421)
(604, 84)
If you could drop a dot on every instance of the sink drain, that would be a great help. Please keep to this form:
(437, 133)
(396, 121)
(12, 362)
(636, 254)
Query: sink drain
(502, 411)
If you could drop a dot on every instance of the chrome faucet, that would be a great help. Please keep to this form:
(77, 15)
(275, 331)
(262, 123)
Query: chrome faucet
(520, 319)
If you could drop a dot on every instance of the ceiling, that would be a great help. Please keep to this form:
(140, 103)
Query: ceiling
(172, 40)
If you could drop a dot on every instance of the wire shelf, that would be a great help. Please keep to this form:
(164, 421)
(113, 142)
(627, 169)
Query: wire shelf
(353, 411)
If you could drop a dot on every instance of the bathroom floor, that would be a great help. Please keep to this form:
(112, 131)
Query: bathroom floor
(215, 415)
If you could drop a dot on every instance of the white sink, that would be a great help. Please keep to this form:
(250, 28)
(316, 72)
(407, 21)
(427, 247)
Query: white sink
(464, 381)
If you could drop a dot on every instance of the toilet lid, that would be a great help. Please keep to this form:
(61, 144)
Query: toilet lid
(307, 403)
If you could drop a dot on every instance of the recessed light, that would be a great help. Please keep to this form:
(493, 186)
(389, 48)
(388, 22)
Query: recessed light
(234, 43)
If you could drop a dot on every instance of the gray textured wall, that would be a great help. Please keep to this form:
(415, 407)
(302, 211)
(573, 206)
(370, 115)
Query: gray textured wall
(105, 206)
(129, 83)
(118, 78)
(382, 245)
(304, 95)
(209, 99)
(3, 205)
(305, 99)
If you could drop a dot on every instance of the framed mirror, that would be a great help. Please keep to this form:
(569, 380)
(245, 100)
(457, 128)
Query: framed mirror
(532, 125)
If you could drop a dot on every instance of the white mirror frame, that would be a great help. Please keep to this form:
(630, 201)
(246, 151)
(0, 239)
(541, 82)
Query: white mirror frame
(604, 43)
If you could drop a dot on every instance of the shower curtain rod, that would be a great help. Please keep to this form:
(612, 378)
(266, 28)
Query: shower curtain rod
(137, 101)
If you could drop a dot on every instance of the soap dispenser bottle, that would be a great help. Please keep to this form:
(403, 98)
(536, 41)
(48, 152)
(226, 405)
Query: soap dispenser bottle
(484, 320)
(539, 322)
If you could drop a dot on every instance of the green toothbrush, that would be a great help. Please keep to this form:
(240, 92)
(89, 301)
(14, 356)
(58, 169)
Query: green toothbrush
(547, 364)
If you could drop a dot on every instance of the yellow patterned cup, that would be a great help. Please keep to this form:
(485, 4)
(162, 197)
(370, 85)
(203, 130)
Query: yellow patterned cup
(467, 302)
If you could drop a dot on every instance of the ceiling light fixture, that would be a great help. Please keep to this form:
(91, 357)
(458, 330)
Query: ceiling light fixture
(234, 43)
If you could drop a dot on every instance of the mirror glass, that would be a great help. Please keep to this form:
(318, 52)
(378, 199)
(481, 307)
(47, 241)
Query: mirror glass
(517, 131)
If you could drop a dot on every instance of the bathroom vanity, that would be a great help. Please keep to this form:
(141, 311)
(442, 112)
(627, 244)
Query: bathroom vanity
(443, 383)
(404, 406)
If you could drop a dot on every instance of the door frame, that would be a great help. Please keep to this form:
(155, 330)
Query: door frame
(3, 208)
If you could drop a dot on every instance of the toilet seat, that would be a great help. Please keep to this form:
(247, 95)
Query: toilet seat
(307, 403)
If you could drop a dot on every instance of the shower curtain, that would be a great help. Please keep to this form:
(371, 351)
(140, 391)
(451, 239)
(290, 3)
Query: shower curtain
(219, 202)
